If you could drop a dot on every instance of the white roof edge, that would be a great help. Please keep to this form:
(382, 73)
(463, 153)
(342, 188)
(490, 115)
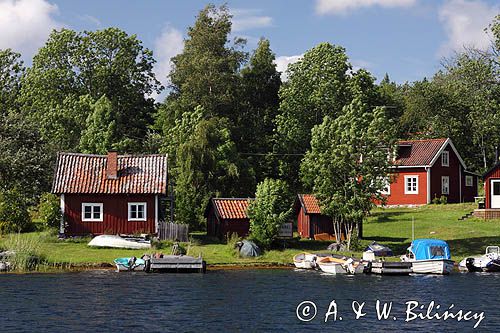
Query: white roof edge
(448, 141)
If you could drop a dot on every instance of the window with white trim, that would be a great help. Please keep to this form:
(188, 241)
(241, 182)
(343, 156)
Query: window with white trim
(469, 181)
(445, 185)
(411, 184)
(445, 158)
(92, 212)
(137, 211)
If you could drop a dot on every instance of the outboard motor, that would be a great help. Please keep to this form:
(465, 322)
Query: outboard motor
(469, 263)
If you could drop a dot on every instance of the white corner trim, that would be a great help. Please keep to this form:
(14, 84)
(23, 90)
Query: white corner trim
(156, 213)
(428, 169)
(62, 206)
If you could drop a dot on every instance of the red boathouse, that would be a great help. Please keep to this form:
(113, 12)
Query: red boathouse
(310, 221)
(110, 194)
(226, 216)
(491, 208)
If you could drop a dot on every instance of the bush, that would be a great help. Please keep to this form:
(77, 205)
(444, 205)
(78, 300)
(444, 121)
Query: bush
(49, 210)
(27, 254)
(232, 239)
(271, 208)
(14, 215)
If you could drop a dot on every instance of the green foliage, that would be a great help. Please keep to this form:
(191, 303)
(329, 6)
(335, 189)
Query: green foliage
(272, 207)
(231, 240)
(319, 85)
(27, 253)
(49, 210)
(14, 216)
(73, 65)
(11, 71)
(207, 165)
(348, 163)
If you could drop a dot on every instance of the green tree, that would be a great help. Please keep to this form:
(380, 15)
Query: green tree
(49, 210)
(14, 216)
(319, 85)
(348, 164)
(94, 63)
(207, 165)
(205, 74)
(260, 84)
(272, 207)
(99, 135)
(11, 71)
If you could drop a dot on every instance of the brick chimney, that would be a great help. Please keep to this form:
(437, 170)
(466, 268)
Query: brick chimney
(112, 165)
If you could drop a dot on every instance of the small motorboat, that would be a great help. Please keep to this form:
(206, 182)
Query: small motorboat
(116, 241)
(130, 264)
(305, 260)
(488, 262)
(340, 265)
(429, 256)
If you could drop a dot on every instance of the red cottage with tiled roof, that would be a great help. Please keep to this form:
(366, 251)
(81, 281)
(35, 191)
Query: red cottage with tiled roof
(427, 169)
(227, 216)
(310, 221)
(110, 194)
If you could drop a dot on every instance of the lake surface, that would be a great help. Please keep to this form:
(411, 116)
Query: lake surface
(237, 301)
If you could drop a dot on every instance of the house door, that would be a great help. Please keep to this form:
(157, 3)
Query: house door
(495, 193)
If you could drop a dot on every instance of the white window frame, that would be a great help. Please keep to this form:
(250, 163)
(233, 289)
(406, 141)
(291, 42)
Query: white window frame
(406, 184)
(447, 183)
(92, 205)
(445, 161)
(130, 204)
(469, 181)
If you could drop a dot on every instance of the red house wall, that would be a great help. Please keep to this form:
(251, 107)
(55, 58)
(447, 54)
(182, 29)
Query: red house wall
(303, 226)
(221, 228)
(309, 225)
(469, 192)
(398, 196)
(115, 215)
(494, 174)
(452, 171)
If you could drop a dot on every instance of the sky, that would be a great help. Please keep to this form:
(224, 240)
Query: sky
(407, 39)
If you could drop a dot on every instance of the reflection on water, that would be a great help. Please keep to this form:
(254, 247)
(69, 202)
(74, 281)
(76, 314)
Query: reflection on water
(233, 301)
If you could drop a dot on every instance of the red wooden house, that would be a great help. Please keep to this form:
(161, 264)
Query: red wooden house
(427, 169)
(491, 208)
(310, 221)
(110, 194)
(226, 216)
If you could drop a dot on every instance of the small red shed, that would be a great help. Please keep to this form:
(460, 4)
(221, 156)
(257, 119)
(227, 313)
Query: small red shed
(310, 221)
(226, 216)
(110, 194)
(491, 208)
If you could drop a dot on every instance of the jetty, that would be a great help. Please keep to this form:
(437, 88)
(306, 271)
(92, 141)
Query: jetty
(390, 268)
(176, 264)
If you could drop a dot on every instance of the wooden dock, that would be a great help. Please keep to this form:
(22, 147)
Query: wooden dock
(391, 268)
(176, 264)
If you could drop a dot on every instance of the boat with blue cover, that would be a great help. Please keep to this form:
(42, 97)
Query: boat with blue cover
(429, 256)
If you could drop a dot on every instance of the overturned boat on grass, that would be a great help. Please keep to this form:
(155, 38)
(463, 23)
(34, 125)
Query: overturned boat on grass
(115, 241)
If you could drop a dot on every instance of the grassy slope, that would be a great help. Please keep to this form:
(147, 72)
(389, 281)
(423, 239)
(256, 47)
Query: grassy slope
(388, 226)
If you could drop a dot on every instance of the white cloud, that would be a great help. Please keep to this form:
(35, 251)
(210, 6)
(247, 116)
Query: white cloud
(247, 19)
(283, 62)
(324, 7)
(26, 24)
(167, 45)
(464, 23)
(91, 19)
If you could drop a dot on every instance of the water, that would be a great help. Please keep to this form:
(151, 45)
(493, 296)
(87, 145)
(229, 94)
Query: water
(234, 301)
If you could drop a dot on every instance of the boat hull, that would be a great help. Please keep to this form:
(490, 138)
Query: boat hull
(118, 242)
(124, 264)
(337, 268)
(305, 261)
(432, 266)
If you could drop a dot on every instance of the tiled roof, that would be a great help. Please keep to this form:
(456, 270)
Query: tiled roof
(86, 174)
(231, 208)
(309, 203)
(418, 152)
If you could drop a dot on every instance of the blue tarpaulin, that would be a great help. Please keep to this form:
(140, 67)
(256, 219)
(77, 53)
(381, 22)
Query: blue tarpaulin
(430, 249)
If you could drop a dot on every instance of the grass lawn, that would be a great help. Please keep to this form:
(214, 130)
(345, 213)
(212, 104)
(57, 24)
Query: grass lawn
(390, 226)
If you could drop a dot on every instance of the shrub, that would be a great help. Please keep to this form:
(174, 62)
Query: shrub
(14, 215)
(232, 239)
(27, 254)
(271, 208)
(49, 210)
